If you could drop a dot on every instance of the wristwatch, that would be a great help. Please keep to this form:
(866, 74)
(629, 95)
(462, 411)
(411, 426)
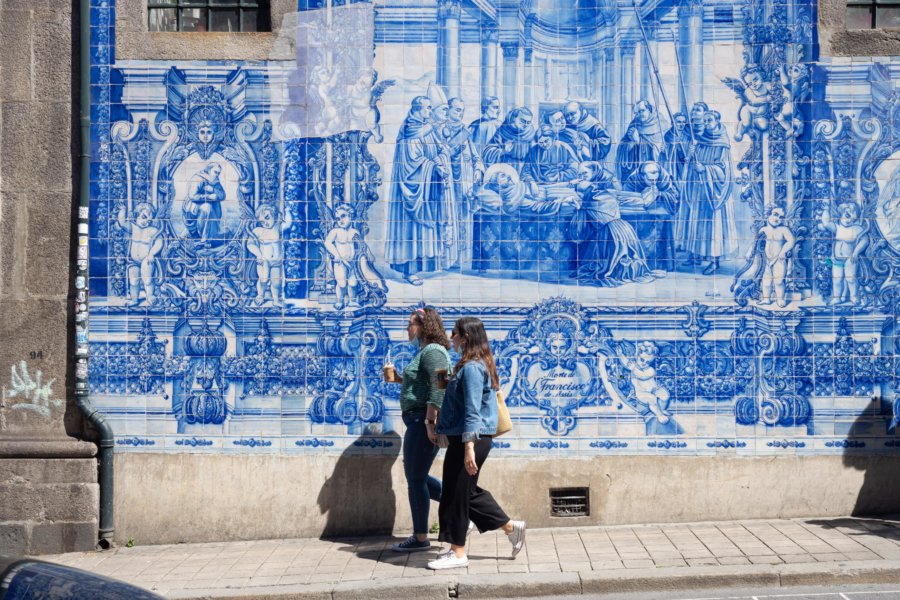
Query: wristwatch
(431, 421)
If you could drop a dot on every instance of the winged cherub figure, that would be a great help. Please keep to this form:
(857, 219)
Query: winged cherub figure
(756, 100)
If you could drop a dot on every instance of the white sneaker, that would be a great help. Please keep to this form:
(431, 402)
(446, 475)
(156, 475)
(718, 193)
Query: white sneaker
(448, 560)
(517, 537)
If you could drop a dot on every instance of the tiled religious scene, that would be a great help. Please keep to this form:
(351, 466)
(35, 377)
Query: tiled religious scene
(678, 222)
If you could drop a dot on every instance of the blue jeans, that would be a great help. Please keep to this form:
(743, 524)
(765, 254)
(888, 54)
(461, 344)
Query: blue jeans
(418, 455)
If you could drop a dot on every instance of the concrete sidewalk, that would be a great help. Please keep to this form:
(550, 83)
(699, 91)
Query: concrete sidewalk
(555, 562)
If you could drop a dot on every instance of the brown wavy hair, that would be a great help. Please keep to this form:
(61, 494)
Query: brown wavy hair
(476, 347)
(432, 327)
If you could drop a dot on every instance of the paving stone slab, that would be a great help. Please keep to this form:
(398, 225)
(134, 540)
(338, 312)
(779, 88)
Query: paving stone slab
(599, 559)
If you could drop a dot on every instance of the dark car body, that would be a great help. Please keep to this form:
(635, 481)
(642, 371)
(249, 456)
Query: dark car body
(27, 579)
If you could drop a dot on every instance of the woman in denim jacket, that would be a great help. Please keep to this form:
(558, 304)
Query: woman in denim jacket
(469, 420)
(420, 403)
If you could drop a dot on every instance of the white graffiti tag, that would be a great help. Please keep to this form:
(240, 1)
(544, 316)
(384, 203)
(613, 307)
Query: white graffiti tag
(34, 395)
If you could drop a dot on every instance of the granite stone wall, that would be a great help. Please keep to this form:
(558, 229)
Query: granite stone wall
(48, 479)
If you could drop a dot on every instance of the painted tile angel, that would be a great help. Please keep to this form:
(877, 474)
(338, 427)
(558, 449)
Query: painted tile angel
(352, 263)
(144, 245)
(795, 89)
(266, 244)
(650, 398)
(769, 260)
(756, 96)
(849, 267)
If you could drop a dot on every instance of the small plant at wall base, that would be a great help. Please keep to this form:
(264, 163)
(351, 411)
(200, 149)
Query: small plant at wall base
(130, 543)
(435, 528)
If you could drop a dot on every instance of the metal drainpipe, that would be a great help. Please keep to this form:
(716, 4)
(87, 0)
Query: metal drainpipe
(106, 440)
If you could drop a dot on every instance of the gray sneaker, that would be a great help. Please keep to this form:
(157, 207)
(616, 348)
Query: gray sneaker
(517, 537)
(469, 530)
(411, 544)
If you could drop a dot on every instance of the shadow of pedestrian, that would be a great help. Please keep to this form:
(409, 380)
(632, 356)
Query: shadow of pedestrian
(867, 449)
(358, 496)
(873, 447)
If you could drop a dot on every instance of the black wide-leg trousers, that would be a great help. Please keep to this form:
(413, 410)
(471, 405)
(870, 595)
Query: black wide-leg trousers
(461, 499)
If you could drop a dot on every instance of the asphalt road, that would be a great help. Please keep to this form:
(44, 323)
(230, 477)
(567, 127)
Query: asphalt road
(845, 592)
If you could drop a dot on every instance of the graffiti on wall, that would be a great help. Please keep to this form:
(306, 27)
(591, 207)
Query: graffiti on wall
(27, 400)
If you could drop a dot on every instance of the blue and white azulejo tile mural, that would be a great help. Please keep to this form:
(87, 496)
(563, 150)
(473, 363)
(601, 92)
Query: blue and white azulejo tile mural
(679, 223)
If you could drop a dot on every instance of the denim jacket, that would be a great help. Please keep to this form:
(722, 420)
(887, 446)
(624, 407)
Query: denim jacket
(470, 404)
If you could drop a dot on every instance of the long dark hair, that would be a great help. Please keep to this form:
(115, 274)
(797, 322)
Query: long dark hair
(432, 327)
(476, 347)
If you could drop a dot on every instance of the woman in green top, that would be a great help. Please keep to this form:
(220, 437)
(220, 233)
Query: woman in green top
(420, 401)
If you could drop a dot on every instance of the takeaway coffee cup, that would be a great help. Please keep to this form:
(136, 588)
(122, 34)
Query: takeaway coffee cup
(390, 373)
(440, 378)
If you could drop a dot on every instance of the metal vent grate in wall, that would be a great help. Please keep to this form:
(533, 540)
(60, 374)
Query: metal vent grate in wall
(570, 502)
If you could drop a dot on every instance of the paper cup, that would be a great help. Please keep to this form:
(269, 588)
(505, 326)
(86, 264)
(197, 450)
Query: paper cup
(440, 378)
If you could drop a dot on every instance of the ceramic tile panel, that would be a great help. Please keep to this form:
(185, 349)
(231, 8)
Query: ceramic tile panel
(679, 224)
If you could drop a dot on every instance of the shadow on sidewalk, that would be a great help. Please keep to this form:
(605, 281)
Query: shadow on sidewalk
(865, 450)
(877, 504)
(359, 495)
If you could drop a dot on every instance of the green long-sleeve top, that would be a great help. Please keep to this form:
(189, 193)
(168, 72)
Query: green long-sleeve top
(419, 389)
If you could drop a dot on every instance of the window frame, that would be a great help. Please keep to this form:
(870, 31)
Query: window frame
(835, 40)
(135, 41)
(874, 5)
(180, 5)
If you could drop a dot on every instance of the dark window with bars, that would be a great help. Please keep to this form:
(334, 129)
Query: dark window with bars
(209, 15)
(873, 14)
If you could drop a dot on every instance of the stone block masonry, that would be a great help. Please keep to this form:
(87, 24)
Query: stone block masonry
(48, 480)
(49, 504)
